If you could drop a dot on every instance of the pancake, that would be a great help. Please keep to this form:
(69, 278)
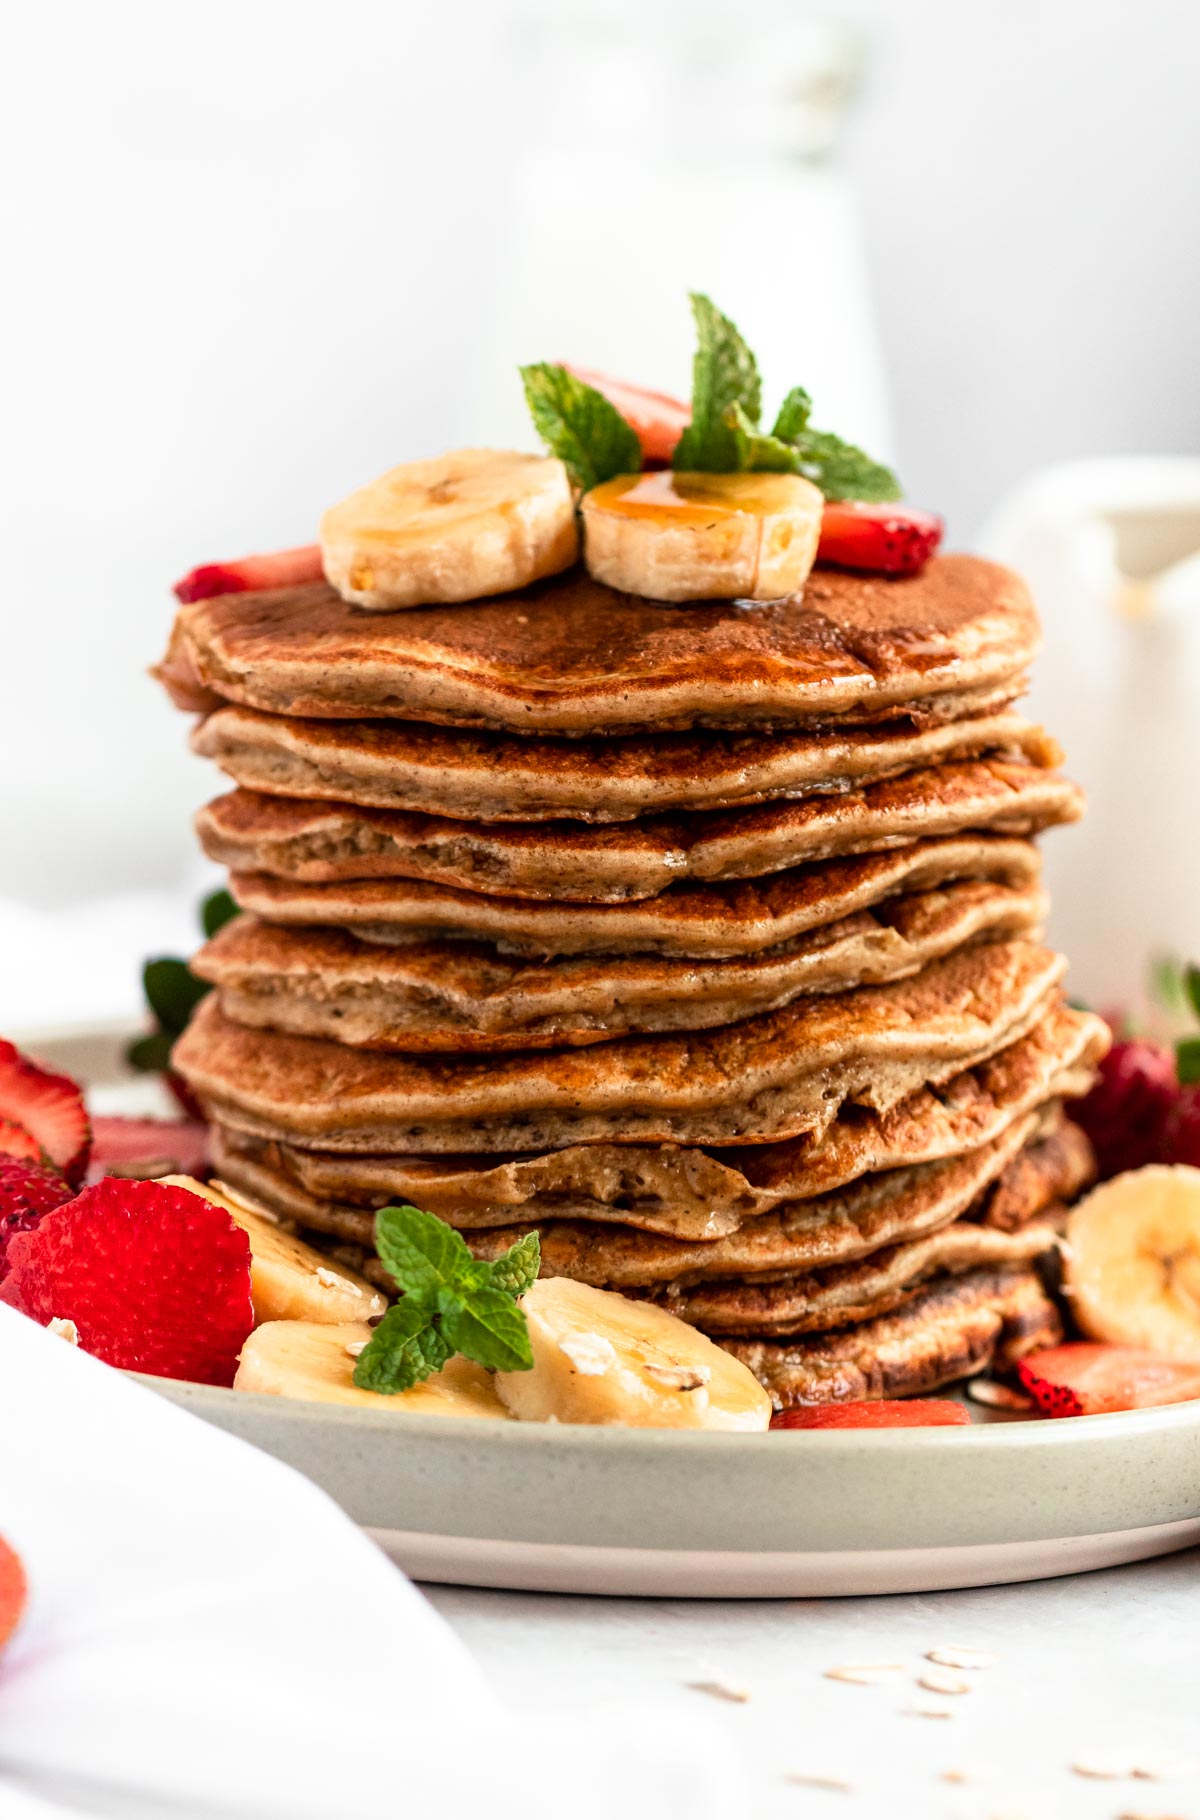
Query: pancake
(504, 777)
(451, 996)
(324, 842)
(687, 922)
(771, 1077)
(954, 1328)
(684, 1193)
(802, 1244)
(572, 656)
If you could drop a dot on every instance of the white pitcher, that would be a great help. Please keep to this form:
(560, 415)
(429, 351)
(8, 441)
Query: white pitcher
(1111, 549)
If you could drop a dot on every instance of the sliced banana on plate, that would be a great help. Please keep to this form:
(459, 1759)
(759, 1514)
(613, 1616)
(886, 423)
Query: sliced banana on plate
(1133, 1261)
(315, 1361)
(600, 1358)
(457, 527)
(289, 1280)
(703, 536)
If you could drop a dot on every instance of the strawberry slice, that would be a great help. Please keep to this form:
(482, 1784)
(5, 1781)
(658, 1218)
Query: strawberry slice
(49, 1108)
(16, 1141)
(155, 1279)
(27, 1191)
(1086, 1379)
(911, 1412)
(657, 420)
(280, 569)
(13, 1591)
(884, 540)
(149, 1146)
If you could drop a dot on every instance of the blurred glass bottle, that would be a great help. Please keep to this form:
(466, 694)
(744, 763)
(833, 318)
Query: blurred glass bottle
(667, 150)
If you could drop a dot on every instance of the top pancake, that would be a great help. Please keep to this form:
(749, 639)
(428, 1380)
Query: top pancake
(572, 656)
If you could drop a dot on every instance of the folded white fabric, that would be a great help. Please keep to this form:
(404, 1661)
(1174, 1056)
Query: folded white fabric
(209, 1635)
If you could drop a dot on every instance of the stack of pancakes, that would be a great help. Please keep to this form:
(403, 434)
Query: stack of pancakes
(705, 940)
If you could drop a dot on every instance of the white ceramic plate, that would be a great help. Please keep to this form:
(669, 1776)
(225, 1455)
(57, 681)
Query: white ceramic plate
(715, 1516)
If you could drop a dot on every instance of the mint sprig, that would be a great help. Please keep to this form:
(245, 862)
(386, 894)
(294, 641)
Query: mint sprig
(451, 1302)
(579, 425)
(724, 375)
(173, 992)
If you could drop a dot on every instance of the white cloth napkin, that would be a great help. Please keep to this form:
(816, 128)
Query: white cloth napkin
(208, 1635)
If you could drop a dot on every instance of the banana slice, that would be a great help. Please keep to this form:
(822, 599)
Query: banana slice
(1133, 1261)
(289, 1281)
(458, 527)
(601, 1358)
(315, 1361)
(703, 536)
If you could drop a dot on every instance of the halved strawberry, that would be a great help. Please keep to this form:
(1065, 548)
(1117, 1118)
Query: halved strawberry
(16, 1141)
(156, 1146)
(912, 1412)
(13, 1591)
(49, 1107)
(279, 569)
(27, 1191)
(883, 539)
(1086, 1379)
(657, 420)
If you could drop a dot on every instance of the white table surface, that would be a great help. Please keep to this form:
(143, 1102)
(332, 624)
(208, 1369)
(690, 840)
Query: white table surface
(1100, 1668)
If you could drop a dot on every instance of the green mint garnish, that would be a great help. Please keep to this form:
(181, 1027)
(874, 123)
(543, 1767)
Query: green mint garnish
(173, 992)
(1187, 1060)
(841, 470)
(579, 425)
(450, 1302)
(724, 374)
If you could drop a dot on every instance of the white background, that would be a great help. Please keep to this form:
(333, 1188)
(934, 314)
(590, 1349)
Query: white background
(250, 246)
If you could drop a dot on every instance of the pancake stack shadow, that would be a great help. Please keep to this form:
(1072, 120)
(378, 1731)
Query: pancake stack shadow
(705, 940)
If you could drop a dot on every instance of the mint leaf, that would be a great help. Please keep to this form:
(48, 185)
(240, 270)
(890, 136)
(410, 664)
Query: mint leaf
(724, 373)
(150, 1054)
(841, 470)
(756, 451)
(216, 911)
(516, 1269)
(1191, 984)
(580, 426)
(793, 415)
(1187, 1061)
(172, 992)
(490, 1329)
(405, 1348)
(422, 1253)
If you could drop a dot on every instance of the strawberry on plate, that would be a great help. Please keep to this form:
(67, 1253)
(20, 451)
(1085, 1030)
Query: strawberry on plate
(656, 419)
(130, 1147)
(1127, 1110)
(47, 1108)
(911, 1412)
(28, 1191)
(1087, 1379)
(882, 539)
(279, 569)
(13, 1591)
(154, 1278)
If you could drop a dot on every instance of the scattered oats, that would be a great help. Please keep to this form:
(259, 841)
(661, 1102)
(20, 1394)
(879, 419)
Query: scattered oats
(936, 1683)
(66, 1330)
(331, 1279)
(1163, 1770)
(1140, 1815)
(590, 1353)
(721, 1689)
(997, 1396)
(678, 1377)
(1103, 1769)
(974, 1774)
(925, 1712)
(355, 1347)
(802, 1780)
(951, 1656)
(862, 1674)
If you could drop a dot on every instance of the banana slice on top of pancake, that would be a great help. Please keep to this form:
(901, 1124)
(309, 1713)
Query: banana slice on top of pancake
(671, 536)
(458, 527)
(1133, 1261)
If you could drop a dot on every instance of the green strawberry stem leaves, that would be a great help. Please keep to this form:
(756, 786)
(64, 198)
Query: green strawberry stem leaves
(451, 1302)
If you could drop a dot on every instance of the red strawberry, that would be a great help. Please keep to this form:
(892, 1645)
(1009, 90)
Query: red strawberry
(13, 1591)
(281, 569)
(912, 1412)
(886, 540)
(172, 1146)
(154, 1278)
(1181, 1128)
(1126, 1112)
(657, 420)
(1086, 1379)
(49, 1107)
(27, 1191)
(16, 1141)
